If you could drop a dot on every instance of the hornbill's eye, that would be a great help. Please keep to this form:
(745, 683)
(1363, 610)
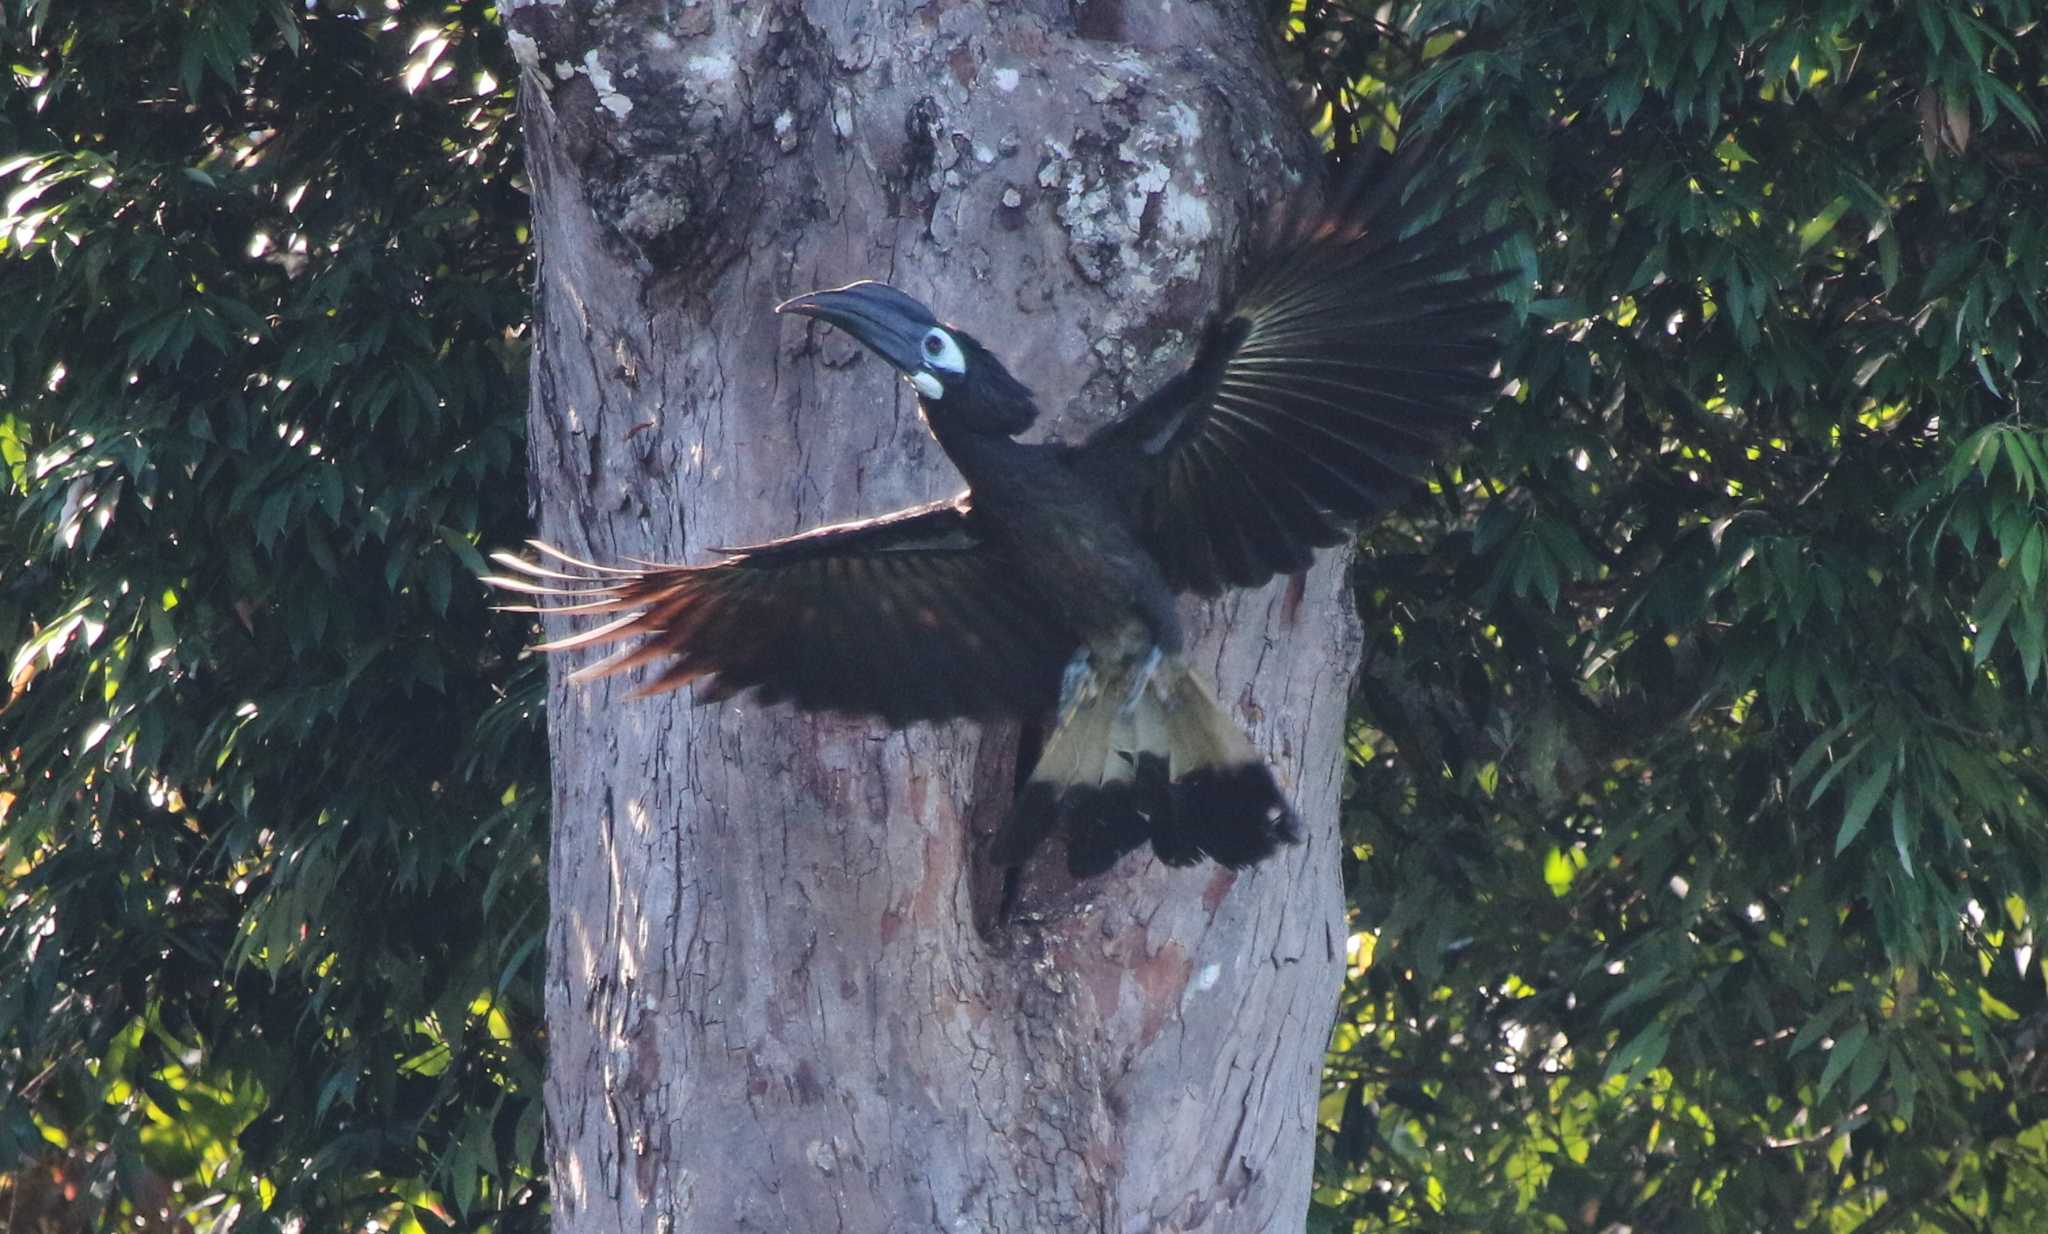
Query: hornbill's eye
(942, 352)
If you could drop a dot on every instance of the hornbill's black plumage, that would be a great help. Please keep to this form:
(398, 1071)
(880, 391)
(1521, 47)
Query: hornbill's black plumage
(1361, 343)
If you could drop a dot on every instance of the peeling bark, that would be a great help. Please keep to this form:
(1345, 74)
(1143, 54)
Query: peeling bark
(770, 1004)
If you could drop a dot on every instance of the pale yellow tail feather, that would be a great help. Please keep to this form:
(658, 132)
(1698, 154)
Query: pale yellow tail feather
(1163, 764)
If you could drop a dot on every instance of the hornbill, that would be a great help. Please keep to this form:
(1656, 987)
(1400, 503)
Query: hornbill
(1361, 342)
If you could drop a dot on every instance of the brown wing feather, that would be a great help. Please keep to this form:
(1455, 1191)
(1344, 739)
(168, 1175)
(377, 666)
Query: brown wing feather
(912, 616)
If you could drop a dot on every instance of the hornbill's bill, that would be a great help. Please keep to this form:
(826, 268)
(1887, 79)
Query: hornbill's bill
(1360, 344)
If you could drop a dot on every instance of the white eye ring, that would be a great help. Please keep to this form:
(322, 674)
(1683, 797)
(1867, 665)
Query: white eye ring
(942, 352)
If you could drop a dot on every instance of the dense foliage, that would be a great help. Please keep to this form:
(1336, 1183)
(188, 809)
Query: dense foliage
(1698, 822)
(271, 785)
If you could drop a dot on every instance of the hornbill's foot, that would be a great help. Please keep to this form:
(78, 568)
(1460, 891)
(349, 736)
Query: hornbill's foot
(1142, 678)
(1079, 671)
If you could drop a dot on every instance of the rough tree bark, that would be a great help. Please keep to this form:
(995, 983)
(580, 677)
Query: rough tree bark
(775, 1000)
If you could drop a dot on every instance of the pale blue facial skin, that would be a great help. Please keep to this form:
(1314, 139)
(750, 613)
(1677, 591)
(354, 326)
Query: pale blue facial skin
(941, 355)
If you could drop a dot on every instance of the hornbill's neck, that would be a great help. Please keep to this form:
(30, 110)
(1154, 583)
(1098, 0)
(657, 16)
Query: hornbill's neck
(989, 462)
(966, 397)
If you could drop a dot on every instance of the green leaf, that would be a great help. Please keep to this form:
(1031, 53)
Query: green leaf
(1817, 1027)
(1834, 770)
(2013, 104)
(1818, 750)
(1984, 375)
(2030, 635)
(272, 515)
(1496, 523)
(1564, 546)
(1558, 872)
(1820, 225)
(1846, 1049)
(464, 551)
(1902, 833)
(2020, 458)
(1641, 1055)
(439, 582)
(1863, 1072)
(1862, 800)
(1994, 604)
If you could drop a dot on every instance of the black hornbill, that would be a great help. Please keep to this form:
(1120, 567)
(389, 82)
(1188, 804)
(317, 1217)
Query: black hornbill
(1360, 344)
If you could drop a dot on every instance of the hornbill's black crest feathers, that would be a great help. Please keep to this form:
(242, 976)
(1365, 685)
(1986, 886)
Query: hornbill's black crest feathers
(1359, 346)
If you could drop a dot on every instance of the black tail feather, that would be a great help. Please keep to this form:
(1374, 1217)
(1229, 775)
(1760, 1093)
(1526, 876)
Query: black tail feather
(1189, 784)
(1236, 816)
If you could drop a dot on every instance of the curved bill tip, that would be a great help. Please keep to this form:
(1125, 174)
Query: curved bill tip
(805, 305)
(864, 292)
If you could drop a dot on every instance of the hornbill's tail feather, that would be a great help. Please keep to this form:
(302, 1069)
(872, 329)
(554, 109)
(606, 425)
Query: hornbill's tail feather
(1159, 763)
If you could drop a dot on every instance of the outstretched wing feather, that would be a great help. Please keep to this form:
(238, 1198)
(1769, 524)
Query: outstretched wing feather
(1362, 346)
(913, 616)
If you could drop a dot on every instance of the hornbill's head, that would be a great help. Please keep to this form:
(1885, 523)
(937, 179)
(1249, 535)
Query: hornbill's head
(958, 382)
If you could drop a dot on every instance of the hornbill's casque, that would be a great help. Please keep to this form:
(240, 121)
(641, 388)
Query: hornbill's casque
(1361, 343)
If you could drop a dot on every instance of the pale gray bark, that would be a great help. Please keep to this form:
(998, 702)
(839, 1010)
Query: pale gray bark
(770, 1005)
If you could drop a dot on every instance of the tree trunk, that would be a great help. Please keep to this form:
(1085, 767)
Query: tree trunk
(777, 996)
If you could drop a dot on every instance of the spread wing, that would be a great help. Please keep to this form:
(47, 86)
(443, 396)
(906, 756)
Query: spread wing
(1360, 347)
(910, 616)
